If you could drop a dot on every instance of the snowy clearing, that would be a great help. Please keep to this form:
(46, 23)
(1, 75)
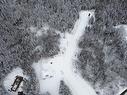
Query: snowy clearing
(61, 67)
(9, 79)
(124, 27)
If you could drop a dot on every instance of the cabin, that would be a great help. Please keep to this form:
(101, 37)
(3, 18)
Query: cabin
(16, 83)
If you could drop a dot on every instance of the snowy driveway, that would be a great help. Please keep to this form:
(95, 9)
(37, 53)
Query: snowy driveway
(50, 71)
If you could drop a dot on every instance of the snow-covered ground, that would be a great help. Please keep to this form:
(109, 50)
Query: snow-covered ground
(124, 27)
(121, 91)
(61, 67)
(9, 79)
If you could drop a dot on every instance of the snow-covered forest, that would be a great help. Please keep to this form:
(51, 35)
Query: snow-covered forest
(63, 47)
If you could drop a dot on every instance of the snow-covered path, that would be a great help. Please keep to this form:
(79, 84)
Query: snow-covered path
(50, 71)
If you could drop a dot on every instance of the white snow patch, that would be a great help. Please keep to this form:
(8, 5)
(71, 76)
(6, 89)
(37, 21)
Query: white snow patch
(9, 79)
(122, 86)
(121, 90)
(33, 29)
(38, 32)
(42, 31)
(124, 27)
(50, 71)
(121, 26)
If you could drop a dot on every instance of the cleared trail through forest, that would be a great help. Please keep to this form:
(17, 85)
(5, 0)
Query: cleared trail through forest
(61, 67)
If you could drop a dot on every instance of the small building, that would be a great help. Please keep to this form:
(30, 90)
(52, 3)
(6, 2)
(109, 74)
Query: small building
(16, 83)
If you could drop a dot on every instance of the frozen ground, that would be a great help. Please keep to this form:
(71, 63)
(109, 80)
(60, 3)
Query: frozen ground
(61, 67)
(9, 79)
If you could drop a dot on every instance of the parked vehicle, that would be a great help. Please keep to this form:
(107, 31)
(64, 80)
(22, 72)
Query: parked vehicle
(21, 93)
